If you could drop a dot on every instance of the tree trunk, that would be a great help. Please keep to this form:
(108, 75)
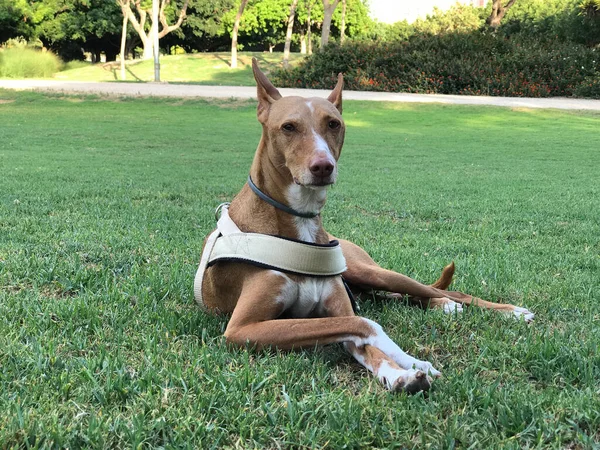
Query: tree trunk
(123, 42)
(308, 29)
(288, 36)
(234, 34)
(139, 25)
(302, 43)
(498, 12)
(328, 8)
(155, 38)
(343, 24)
(147, 48)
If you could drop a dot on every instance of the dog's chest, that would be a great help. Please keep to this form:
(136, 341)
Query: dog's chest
(305, 297)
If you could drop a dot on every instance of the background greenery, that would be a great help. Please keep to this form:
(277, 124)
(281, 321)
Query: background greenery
(455, 63)
(542, 47)
(199, 68)
(104, 204)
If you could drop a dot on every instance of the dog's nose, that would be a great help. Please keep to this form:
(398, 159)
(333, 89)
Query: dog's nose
(321, 167)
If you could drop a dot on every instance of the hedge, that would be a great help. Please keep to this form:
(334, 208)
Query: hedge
(459, 63)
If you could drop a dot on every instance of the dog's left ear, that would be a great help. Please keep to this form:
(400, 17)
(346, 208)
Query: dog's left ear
(336, 95)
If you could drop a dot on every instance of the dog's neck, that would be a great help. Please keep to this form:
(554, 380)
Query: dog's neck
(252, 214)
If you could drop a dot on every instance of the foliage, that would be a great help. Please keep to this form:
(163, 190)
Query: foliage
(21, 42)
(104, 205)
(384, 32)
(13, 19)
(358, 21)
(204, 27)
(570, 20)
(459, 18)
(589, 87)
(26, 62)
(264, 22)
(70, 27)
(475, 64)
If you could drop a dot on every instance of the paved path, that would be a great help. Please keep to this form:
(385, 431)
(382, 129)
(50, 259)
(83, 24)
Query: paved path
(187, 90)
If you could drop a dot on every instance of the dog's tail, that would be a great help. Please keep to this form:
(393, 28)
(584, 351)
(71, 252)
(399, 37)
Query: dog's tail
(445, 278)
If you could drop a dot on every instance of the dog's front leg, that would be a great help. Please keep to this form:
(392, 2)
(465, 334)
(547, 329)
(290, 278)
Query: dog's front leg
(391, 375)
(254, 322)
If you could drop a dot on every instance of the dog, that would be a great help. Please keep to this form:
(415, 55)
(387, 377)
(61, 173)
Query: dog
(264, 285)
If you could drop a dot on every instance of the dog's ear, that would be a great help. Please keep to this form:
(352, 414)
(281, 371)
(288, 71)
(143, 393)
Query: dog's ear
(265, 91)
(336, 95)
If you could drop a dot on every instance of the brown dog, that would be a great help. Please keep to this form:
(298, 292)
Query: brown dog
(295, 161)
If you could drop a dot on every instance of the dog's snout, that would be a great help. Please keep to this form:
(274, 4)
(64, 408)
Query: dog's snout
(321, 167)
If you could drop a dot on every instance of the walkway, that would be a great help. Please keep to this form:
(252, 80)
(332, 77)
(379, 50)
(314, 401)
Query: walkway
(189, 90)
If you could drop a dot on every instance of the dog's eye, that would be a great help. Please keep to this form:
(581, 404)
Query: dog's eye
(333, 124)
(288, 127)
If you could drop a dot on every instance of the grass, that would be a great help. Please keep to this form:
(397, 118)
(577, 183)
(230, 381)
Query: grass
(198, 68)
(104, 204)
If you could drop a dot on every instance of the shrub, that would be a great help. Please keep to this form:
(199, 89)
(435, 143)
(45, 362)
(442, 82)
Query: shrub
(454, 63)
(24, 62)
(589, 88)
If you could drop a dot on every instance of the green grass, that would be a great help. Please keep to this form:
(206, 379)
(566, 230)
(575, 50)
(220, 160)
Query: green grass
(104, 205)
(199, 68)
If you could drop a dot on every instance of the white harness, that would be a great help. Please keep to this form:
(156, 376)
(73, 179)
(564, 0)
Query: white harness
(228, 243)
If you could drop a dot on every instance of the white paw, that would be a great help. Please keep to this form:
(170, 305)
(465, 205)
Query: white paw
(411, 382)
(519, 312)
(451, 307)
(427, 367)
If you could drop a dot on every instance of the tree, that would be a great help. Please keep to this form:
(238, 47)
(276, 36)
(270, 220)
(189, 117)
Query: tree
(328, 8)
(123, 39)
(288, 36)
(234, 34)
(70, 27)
(343, 25)
(499, 10)
(305, 15)
(14, 15)
(144, 9)
(205, 27)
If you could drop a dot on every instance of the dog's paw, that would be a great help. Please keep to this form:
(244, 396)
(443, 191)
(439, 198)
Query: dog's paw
(427, 367)
(412, 381)
(451, 307)
(519, 312)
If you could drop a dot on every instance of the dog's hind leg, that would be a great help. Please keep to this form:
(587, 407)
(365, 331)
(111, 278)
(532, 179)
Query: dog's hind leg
(365, 273)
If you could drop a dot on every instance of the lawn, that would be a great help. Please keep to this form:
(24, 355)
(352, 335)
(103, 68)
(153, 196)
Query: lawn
(197, 68)
(104, 204)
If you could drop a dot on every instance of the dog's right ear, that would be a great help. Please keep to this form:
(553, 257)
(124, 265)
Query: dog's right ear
(265, 91)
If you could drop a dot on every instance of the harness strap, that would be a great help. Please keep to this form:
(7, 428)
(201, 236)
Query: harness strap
(279, 253)
(228, 243)
(208, 246)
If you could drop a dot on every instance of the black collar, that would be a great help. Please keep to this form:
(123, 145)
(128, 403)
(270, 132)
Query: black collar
(276, 204)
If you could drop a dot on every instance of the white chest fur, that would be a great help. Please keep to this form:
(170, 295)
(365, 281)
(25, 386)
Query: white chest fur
(305, 297)
(306, 200)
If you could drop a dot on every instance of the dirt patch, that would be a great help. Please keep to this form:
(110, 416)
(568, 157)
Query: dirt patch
(56, 292)
(14, 288)
(4, 102)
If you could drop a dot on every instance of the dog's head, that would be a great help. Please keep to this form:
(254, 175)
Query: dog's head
(303, 136)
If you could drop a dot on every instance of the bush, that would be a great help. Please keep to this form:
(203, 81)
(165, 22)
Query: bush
(589, 88)
(455, 63)
(23, 62)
